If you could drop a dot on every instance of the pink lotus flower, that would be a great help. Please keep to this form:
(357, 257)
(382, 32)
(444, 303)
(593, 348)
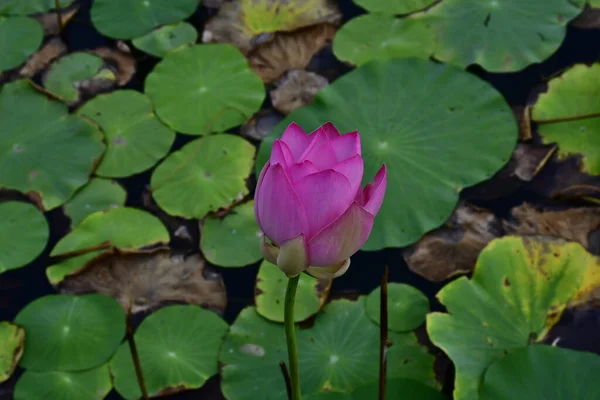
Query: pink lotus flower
(310, 204)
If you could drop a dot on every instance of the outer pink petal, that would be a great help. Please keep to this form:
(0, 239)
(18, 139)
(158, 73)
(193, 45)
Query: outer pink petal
(374, 192)
(296, 139)
(347, 145)
(329, 129)
(320, 152)
(257, 190)
(281, 154)
(278, 209)
(352, 168)
(325, 196)
(342, 238)
(299, 171)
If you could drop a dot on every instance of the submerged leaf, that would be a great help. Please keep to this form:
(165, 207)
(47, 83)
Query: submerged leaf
(166, 38)
(296, 89)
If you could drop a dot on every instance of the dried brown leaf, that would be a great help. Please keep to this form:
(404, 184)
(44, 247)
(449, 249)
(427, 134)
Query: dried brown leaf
(588, 19)
(50, 21)
(296, 89)
(123, 64)
(49, 52)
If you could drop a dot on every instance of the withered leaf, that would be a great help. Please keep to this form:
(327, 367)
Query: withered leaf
(51, 21)
(123, 64)
(296, 89)
(261, 124)
(49, 52)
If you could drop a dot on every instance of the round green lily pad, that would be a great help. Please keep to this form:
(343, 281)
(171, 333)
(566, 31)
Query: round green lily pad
(135, 138)
(388, 37)
(12, 340)
(398, 389)
(407, 307)
(26, 7)
(70, 333)
(233, 241)
(426, 128)
(166, 38)
(20, 37)
(35, 135)
(98, 195)
(394, 7)
(178, 348)
(133, 18)
(518, 291)
(204, 88)
(568, 114)
(67, 72)
(122, 227)
(500, 35)
(339, 353)
(203, 176)
(23, 235)
(543, 373)
(92, 384)
(271, 285)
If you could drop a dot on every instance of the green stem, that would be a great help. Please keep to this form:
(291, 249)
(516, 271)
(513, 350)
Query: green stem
(290, 334)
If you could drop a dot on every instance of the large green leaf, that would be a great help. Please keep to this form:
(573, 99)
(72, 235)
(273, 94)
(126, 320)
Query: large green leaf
(394, 7)
(178, 348)
(98, 195)
(12, 340)
(568, 114)
(135, 138)
(23, 234)
(205, 88)
(36, 135)
(425, 126)
(70, 333)
(500, 35)
(166, 38)
(19, 38)
(25, 7)
(518, 291)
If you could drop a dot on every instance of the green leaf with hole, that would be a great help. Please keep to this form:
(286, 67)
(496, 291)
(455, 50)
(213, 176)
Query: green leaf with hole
(232, 241)
(32, 150)
(70, 333)
(271, 284)
(426, 127)
(407, 307)
(135, 138)
(388, 37)
(568, 114)
(98, 195)
(26, 7)
(398, 389)
(206, 174)
(339, 353)
(204, 88)
(12, 340)
(93, 384)
(166, 38)
(123, 227)
(133, 18)
(23, 235)
(518, 291)
(500, 35)
(20, 37)
(65, 75)
(178, 347)
(394, 7)
(543, 373)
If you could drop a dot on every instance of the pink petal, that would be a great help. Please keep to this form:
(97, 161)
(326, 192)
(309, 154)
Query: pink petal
(325, 196)
(352, 168)
(279, 211)
(328, 129)
(299, 171)
(347, 145)
(296, 139)
(320, 151)
(281, 154)
(257, 190)
(342, 238)
(374, 192)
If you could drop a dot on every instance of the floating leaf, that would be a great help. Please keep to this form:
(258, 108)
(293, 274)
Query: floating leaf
(518, 291)
(92, 384)
(388, 37)
(204, 175)
(20, 37)
(202, 89)
(178, 347)
(166, 38)
(98, 195)
(407, 307)
(32, 150)
(233, 241)
(328, 396)
(12, 340)
(135, 138)
(394, 7)
(23, 235)
(134, 18)
(569, 114)
(543, 373)
(243, 23)
(501, 36)
(26, 7)
(398, 389)
(69, 333)
(271, 284)
(124, 228)
(439, 149)
(339, 353)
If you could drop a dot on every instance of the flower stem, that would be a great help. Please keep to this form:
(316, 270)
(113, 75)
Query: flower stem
(290, 334)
